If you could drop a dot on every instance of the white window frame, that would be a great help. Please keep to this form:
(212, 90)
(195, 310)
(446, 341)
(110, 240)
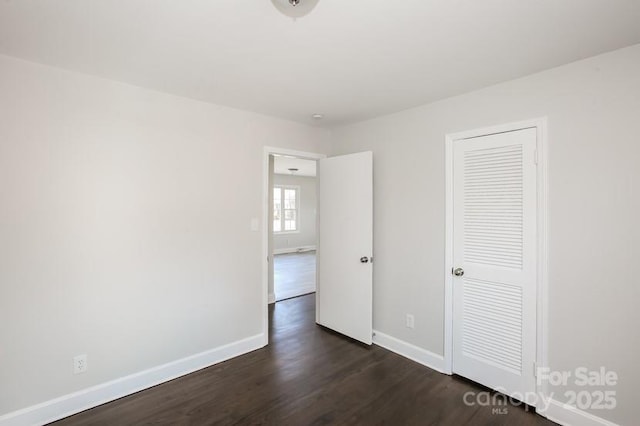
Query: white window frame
(282, 188)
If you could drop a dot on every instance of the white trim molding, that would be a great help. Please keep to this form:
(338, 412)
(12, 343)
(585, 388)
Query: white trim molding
(568, 415)
(412, 352)
(85, 399)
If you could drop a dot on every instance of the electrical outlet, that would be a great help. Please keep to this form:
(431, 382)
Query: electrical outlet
(80, 364)
(411, 321)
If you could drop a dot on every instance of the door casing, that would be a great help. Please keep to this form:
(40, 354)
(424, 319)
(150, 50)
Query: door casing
(540, 124)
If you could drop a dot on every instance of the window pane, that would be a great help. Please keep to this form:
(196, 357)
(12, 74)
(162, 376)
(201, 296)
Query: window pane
(277, 209)
(290, 222)
(289, 225)
(285, 215)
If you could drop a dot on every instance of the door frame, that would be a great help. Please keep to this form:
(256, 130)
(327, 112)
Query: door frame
(540, 124)
(266, 193)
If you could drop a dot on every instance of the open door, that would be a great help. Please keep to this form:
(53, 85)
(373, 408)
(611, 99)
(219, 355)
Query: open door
(344, 297)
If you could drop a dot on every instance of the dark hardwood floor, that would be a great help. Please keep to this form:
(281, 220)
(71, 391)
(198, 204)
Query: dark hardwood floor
(307, 376)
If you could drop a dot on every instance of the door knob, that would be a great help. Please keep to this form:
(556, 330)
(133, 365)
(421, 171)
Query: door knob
(458, 272)
(364, 259)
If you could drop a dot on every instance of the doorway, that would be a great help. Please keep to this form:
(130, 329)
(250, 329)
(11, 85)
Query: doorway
(294, 201)
(269, 243)
(495, 288)
(344, 284)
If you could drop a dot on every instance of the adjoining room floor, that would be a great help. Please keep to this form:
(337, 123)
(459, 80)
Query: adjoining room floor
(294, 274)
(307, 375)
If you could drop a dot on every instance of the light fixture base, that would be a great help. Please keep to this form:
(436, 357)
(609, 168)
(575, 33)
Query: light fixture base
(295, 8)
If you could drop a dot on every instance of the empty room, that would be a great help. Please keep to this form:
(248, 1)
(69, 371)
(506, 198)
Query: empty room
(319, 212)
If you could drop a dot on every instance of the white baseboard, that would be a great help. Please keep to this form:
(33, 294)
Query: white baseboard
(407, 350)
(293, 249)
(568, 415)
(272, 298)
(76, 402)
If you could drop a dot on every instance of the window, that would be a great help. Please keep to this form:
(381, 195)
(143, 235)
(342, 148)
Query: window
(285, 208)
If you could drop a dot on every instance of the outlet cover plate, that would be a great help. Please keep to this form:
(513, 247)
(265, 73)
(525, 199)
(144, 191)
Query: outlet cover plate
(411, 321)
(80, 364)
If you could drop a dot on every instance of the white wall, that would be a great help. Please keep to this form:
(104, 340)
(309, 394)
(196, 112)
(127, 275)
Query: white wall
(307, 233)
(124, 228)
(593, 107)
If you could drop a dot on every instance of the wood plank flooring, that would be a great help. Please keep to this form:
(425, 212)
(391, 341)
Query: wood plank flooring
(306, 376)
(294, 274)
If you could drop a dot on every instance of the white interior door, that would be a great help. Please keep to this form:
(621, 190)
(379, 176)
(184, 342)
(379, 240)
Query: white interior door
(494, 253)
(344, 296)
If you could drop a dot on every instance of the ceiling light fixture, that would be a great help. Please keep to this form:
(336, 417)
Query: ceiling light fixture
(317, 116)
(295, 8)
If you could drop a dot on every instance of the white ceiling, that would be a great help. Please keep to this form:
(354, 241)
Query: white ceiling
(349, 60)
(281, 166)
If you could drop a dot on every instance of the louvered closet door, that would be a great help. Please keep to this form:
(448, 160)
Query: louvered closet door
(494, 330)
